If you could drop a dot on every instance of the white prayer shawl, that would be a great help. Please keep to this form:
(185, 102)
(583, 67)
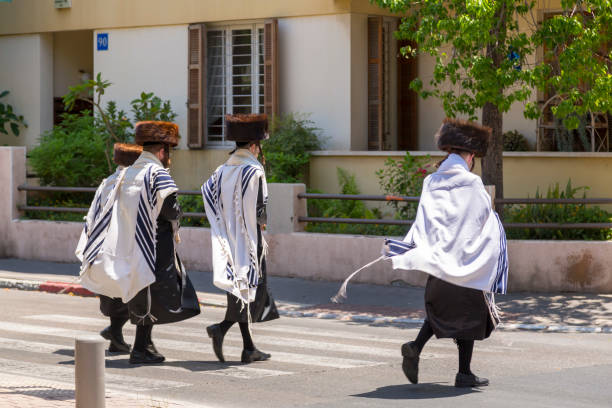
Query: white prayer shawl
(457, 236)
(117, 246)
(230, 200)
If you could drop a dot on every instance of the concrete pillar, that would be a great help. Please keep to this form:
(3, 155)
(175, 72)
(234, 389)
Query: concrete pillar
(12, 174)
(284, 207)
(89, 372)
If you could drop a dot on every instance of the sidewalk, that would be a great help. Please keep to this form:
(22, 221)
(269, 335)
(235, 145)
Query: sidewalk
(367, 304)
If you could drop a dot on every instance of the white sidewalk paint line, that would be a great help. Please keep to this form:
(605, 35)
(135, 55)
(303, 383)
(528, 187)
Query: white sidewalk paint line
(66, 374)
(200, 347)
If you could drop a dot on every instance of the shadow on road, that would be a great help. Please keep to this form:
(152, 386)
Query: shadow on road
(417, 391)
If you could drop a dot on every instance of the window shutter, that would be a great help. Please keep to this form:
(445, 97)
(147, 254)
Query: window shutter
(375, 83)
(407, 100)
(271, 105)
(196, 87)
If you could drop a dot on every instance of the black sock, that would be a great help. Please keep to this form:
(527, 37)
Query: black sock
(143, 336)
(247, 341)
(116, 325)
(465, 355)
(225, 326)
(424, 335)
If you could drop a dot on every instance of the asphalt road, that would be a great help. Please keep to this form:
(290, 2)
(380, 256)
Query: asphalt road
(315, 363)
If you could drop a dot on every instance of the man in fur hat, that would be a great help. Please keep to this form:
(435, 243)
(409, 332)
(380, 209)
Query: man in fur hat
(235, 198)
(130, 251)
(458, 239)
(124, 155)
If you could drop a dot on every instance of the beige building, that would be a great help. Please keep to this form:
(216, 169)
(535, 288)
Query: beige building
(336, 60)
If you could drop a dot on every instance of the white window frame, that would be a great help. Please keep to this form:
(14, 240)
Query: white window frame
(255, 73)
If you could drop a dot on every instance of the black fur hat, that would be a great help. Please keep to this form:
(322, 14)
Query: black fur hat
(246, 127)
(463, 135)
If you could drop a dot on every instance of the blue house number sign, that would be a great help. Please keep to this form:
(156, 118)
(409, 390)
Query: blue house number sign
(102, 41)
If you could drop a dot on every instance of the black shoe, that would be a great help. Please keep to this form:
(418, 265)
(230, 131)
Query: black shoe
(470, 380)
(153, 350)
(118, 345)
(216, 334)
(410, 365)
(248, 356)
(145, 357)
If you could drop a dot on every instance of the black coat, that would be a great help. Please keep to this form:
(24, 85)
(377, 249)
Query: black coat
(457, 312)
(263, 307)
(173, 297)
(113, 307)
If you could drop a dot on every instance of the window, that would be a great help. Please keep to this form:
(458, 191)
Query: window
(392, 114)
(235, 75)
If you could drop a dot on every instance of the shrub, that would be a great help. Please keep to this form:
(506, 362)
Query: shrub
(514, 141)
(561, 213)
(292, 137)
(192, 204)
(71, 154)
(348, 209)
(404, 178)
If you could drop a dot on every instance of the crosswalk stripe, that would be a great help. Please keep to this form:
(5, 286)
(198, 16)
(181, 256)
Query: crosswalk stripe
(261, 339)
(200, 347)
(221, 369)
(200, 367)
(283, 329)
(66, 374)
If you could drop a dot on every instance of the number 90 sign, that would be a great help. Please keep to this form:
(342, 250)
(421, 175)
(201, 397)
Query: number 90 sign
(102, 41)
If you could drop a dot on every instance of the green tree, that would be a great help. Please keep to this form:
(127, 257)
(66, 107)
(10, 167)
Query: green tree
(481, 48)
(8, 116)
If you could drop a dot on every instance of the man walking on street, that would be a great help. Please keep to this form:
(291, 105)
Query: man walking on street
(458, 239)
(235, 198)
(124, 155)
(130, 251)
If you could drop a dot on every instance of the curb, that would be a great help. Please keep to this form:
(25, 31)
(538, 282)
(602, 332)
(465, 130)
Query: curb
(75, 289)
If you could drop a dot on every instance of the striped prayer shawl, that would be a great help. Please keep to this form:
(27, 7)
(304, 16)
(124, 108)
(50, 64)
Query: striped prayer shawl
(230, 200)
(118, 244)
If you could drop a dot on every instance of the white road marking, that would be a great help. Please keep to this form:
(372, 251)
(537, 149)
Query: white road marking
(66, 374)
(199, 347)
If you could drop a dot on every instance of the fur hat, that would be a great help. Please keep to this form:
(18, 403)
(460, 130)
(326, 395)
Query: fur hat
(246, 127)
(156, 132)
(463, 135)
(126, 154)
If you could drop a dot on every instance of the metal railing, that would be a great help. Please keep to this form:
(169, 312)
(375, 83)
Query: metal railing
(81, 210)
(363, 197)
(512, 201)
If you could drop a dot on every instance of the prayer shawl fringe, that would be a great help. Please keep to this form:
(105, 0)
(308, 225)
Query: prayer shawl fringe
(230, 200)
(117, 246)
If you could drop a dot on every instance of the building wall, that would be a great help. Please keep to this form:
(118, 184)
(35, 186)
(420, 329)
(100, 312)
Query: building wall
(315, 73)
(152, 59)
(26, 70)
(524, 172)
(72, 51)
(33, 16)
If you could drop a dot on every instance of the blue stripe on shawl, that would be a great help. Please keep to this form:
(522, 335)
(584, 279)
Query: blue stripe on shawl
(230, 273)
(501, 279)
(100, 226)
(247, 174)
(207, 192)
(393, 247)
(144, 234)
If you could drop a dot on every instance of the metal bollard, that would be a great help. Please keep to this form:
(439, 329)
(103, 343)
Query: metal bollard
(89, 372)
